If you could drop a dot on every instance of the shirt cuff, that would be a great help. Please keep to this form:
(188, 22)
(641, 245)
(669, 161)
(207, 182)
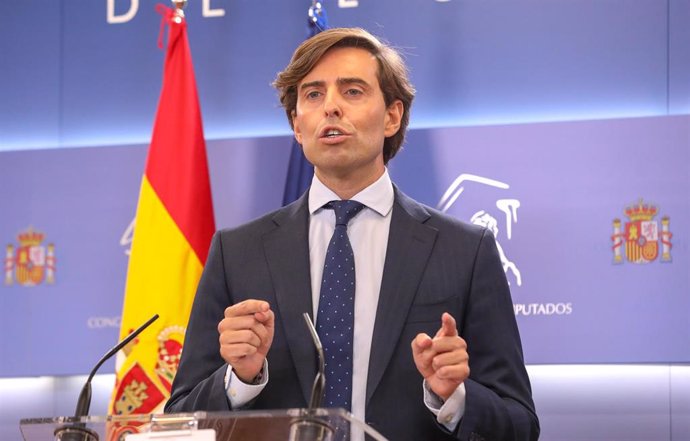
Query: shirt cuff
(450, 413)
(240, 393)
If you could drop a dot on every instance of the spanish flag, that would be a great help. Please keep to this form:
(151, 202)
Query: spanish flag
(173, 229)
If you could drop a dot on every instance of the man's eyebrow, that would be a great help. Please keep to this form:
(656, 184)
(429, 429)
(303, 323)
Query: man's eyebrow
(353, 80)
(312, 84)
(341, 82)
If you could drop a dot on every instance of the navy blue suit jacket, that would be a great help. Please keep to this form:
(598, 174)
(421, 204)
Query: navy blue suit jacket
(434, 263)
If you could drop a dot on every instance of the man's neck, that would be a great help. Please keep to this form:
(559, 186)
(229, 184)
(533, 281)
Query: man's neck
(348, 186)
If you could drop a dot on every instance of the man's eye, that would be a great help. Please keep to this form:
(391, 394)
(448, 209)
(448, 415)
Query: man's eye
(313, 94)
(353, 92)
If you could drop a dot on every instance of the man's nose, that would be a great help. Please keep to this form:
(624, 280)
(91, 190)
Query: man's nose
(331, 104)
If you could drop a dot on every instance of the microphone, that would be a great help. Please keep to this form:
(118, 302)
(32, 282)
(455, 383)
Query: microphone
(308, 427)
(320, 379)
(79, 432)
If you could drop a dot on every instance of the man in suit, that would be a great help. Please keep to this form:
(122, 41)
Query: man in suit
(435, 351)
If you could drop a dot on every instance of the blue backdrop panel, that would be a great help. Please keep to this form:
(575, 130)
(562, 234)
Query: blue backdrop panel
(71, 78)
(550, 191)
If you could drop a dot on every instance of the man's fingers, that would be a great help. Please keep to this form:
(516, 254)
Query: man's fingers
(420, 343)
(236, 352)
(448, 325)
(447, 344)
(236, 323)
(451, 358)
(260, 331)
(422, 354)
(242, 336)
(247, 307)
(456, 372)
(245, 329)
(266, 317)
(421, 349)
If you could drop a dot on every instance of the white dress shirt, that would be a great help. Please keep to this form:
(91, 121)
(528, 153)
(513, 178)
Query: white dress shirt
(368, 233)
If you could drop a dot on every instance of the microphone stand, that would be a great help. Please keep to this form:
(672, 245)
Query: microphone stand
(78, 431)
(308, 427)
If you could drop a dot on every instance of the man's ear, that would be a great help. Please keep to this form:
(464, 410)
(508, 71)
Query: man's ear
(296, 127)
(394, 114)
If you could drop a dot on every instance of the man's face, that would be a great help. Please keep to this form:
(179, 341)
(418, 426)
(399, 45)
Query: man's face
(341, 118)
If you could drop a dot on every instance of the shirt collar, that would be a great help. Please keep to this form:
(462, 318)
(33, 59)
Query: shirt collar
(378, 196)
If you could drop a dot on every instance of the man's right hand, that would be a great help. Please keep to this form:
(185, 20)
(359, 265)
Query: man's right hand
(246, 334)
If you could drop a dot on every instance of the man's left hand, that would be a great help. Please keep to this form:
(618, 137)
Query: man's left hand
(443, 361)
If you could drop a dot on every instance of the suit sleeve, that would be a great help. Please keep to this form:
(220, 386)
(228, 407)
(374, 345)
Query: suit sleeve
(199, 383)
(499, 402)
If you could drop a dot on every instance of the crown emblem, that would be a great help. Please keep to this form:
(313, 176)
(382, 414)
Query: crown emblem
(30, 237)
(640, 212)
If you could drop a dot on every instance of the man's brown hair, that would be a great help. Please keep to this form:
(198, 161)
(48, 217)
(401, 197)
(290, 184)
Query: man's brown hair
(392, 74)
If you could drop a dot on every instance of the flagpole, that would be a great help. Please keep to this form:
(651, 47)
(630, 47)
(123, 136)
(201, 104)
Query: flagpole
(179, 13)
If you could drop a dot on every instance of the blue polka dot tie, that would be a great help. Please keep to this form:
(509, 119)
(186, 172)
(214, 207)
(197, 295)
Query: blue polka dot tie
(335, 320)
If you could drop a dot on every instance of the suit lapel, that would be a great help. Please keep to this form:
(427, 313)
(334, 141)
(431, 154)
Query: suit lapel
(287, 254)
(409, 245)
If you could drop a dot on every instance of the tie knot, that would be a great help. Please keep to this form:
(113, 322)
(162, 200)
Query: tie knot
(344, 210)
